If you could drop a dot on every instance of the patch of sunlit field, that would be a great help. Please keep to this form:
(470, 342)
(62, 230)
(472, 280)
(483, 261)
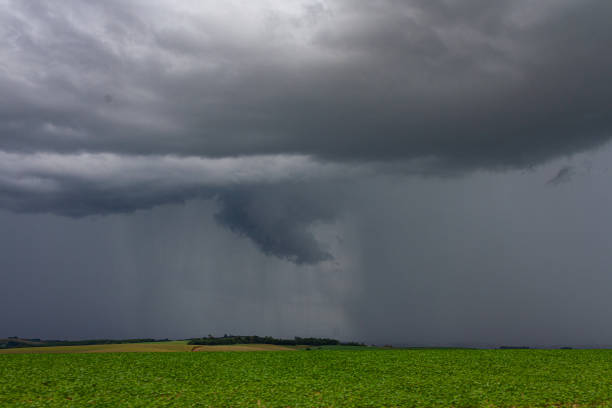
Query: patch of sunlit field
(244, 347)
(311, 378)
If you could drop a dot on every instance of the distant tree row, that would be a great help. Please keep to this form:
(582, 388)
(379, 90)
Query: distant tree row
(296, 341)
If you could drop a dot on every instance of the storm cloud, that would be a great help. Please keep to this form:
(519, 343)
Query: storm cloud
(469, 83)
(272, 200)
(450, 86)
(278, 219)
(564, 175)
(349, 162)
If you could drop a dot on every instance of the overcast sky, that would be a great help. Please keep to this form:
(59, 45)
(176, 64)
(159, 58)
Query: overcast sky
(410, 172)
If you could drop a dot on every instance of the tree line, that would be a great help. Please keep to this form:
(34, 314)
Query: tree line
(296, 341)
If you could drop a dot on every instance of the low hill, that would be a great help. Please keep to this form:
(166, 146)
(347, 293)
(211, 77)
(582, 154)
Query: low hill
(16, 342)
(12, 342)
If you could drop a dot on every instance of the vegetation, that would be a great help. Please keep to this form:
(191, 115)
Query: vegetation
(167, 346)
(316, 378)
(296, 341)
(13, 342)
(157, 347)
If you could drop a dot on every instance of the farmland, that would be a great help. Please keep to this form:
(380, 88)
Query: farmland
(154, 347)
(317, 378)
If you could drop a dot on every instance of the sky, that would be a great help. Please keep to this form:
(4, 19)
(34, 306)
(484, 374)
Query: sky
(394, 172)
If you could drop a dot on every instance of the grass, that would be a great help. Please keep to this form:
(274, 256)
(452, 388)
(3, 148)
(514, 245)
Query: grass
(315, 378)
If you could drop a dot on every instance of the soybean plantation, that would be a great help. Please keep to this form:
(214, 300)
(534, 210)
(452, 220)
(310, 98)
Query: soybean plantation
(311, 378)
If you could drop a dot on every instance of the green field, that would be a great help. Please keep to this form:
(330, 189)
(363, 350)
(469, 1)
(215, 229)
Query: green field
(315, 378)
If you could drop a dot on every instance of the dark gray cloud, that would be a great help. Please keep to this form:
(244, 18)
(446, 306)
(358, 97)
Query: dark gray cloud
(278, 220)
(470, 83)
(273, 200)
(488, 259)
(171, 271)
(395, 86)
(492, 259)
(306, 126)
(564, 175)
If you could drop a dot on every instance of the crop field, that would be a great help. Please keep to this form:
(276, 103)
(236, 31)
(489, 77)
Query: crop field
(314, 378)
